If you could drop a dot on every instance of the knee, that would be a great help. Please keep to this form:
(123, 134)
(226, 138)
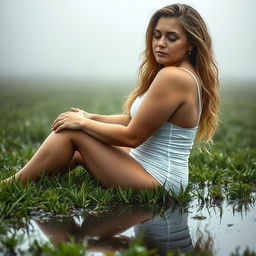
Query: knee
(69, 134)
(78, 139)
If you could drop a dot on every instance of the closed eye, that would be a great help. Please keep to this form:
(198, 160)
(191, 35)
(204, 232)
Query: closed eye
(171, 36)
(157, 35)
(172, 39)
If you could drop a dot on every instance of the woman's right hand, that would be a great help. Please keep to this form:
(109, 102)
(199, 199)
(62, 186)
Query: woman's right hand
(81, 112)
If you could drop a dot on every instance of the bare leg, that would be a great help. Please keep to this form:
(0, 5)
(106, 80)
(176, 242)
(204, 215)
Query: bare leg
(76, 160)
(109, 164)
(52, 156)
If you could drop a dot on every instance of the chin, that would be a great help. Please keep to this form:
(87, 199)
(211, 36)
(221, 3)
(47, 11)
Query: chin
(162, 62)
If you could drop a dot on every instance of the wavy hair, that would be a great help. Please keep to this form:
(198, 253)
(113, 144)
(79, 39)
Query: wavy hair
(201, 58)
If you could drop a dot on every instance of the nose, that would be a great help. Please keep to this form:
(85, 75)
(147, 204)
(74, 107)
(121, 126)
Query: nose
(161, 42)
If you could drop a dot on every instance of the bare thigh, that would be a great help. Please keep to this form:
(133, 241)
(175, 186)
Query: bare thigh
(111, 165)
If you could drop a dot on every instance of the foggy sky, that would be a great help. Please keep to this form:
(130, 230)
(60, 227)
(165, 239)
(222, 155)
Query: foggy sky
(104, 39)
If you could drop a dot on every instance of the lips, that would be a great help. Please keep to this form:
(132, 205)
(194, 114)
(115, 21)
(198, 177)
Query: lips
(160, 53)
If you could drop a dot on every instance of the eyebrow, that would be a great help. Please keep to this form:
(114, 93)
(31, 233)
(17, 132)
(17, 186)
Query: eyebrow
(169, 33)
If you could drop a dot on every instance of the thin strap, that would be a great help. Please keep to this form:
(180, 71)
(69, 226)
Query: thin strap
(198, 91)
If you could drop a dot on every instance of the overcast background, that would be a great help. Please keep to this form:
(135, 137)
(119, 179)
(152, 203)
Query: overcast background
(103, 39)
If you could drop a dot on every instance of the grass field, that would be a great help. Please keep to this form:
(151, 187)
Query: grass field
(27, 111)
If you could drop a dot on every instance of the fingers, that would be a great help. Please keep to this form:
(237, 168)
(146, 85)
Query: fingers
(57, 123)
(64, 113)
(56, 120)
(60, 128)
(75, 109)
(61, 116)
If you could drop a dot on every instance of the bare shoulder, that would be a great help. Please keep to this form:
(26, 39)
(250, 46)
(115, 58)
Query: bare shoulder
(173, 78)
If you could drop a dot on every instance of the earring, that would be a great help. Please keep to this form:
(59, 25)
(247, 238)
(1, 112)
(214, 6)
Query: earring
(189, 53)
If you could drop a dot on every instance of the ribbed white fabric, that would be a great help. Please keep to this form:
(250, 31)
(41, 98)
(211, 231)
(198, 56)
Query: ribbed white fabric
(166, 152)
(166, 232)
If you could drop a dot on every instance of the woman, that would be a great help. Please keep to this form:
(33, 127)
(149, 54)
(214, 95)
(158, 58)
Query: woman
(149, 146)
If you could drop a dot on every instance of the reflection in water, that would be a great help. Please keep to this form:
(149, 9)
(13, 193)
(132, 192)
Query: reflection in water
(103, 232)
(166, 232)
(204, 242)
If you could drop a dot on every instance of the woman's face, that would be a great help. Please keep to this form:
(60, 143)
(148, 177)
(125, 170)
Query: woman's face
(170, 44)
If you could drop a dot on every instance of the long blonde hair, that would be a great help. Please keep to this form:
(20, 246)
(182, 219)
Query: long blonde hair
(201, 58)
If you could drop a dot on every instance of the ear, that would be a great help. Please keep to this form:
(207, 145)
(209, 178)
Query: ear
(191, 46)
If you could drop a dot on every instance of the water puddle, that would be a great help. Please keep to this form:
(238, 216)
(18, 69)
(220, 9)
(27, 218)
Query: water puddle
(220, 228)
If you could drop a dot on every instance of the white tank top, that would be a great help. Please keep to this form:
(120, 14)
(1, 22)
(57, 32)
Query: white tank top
(166, 152)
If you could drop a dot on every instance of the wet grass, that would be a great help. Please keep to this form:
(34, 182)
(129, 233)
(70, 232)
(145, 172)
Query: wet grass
(12, 239)
(27, 111)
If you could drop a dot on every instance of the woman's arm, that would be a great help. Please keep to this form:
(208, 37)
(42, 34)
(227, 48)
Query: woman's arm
(166, 94)
(110, 119)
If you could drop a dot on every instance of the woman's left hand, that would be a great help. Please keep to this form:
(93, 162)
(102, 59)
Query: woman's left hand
(68, 120)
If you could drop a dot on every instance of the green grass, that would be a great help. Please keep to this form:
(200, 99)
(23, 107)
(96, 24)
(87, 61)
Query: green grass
(27, 111)
(9, 245)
